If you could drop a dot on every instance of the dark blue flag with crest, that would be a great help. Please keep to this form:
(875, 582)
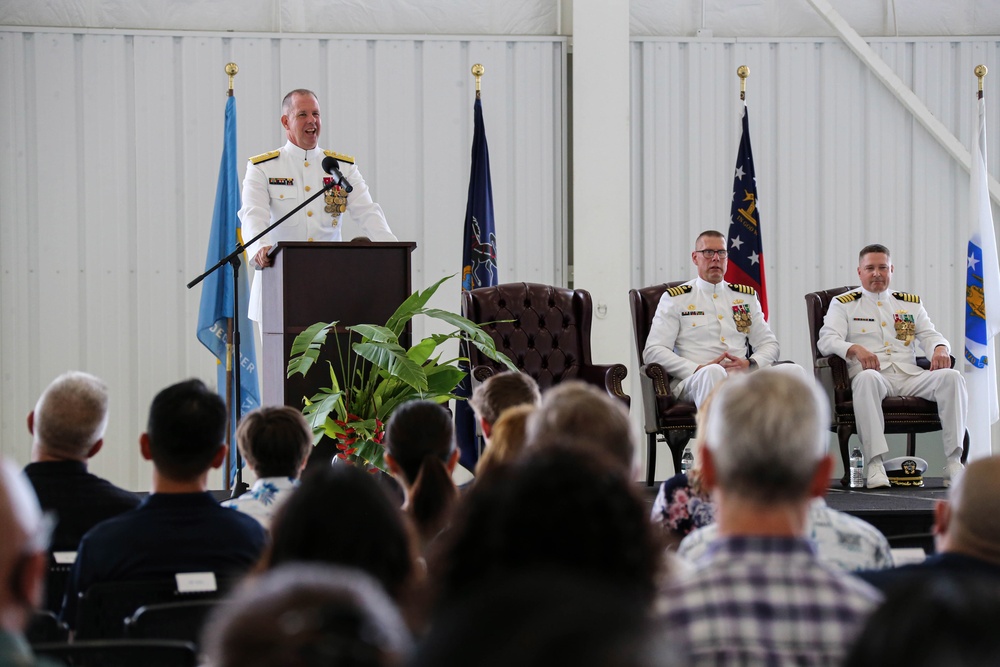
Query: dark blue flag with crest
(746, 251)
(479, 268)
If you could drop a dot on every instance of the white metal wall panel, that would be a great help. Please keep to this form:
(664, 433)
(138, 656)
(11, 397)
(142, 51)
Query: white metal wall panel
(840, 163)
(110, 155)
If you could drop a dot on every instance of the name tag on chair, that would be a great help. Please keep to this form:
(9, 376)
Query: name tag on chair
(64, 557)
(196, 582)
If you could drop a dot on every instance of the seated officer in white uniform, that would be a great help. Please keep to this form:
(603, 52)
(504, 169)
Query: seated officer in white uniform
(876, 332)
(701, 329)
(278, 181)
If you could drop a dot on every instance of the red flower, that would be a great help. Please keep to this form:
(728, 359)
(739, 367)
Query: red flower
(351, 451)
(342, 457)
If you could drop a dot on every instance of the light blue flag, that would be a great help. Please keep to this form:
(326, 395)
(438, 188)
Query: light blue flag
(217, 289)
(982, 304)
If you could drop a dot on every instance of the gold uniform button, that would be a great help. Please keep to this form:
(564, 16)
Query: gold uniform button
(723, 339)
(308, 188)
(715, 296)
(883, 324)
(878, 303)
(281, 196)
(720, 317)
(310, 239)
(307, 163)
(309, 214)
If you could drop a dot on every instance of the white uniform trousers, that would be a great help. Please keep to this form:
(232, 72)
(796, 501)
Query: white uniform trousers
(699, 386)
(945, 386)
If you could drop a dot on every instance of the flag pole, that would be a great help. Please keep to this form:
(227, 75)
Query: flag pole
(981, 71)
(743, 72)
(478, 71)
(231, 70)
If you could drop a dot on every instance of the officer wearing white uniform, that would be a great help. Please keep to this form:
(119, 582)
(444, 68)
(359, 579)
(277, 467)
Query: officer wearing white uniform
(701, 329)
(876, 332)
(278, 181)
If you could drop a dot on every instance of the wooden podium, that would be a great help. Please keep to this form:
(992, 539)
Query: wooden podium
(352, 283)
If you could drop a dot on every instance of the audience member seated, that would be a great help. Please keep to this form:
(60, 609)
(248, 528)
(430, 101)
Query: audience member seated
(541, 618)
(761, 595)
(499, 393)
(420, 452)
(67, 426)
(179, 527)
(507, 438)
(340, 515)
(275, 443)
(948, 618)
(841, 540)
(559, 508)
(682, 504)
(967, 532)
(307, 615)
(22, 565)
(583, 416)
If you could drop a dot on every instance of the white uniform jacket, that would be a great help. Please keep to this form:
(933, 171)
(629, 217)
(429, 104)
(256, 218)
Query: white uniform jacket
(887, 324)
(697, 321)
(273, 186)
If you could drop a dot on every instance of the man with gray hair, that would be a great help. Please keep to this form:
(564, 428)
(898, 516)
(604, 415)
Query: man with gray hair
(22, 565)
(761, 595)
(67, 426)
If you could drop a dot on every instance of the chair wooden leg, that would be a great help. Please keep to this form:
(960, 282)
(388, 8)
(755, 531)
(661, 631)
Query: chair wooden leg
(678, 440)
(650, 458)
(911, 444)
(844, 432)
(965, 448)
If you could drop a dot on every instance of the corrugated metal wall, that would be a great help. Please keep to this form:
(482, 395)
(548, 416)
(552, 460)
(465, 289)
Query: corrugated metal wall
(110, 151)
(840, 163)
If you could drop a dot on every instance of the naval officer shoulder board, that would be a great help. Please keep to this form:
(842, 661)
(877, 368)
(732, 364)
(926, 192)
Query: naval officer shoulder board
(264, 157)
(742, 289)
(680, 289)
(849, 297)
(340, 156)
(904, 296)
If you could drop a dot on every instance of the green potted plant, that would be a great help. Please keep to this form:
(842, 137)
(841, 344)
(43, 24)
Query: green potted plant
(379, 374)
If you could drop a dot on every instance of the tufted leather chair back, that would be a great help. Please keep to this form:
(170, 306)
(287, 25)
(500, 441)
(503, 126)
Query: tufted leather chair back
(548, 335)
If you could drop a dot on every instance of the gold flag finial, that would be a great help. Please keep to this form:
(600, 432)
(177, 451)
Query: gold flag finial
(981, 71)
(231, 70)
(743, 72)
(478, 71)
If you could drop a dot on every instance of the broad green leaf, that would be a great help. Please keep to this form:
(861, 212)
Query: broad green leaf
(372, 333)
(306, 346)
(412, 306)
(373, 453)
(393, 359)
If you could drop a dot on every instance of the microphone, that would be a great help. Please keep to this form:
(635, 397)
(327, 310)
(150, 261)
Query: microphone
(332, 167)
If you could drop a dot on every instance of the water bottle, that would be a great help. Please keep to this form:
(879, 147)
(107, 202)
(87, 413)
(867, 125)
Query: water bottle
(687, 460)
(857, 469)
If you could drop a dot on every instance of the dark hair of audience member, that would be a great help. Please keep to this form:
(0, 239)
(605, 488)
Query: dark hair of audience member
(507, 439)
(542, 618)
(340, 515)
(420, 441)
(275, 441)
(307, 615)
(946, 619)
(186, 427)
(560, 508)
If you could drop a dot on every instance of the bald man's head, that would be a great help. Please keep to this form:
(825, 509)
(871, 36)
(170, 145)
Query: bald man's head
(22, 548)
(973, 523)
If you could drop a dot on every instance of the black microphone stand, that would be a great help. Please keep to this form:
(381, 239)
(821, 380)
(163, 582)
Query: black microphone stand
(233, 259)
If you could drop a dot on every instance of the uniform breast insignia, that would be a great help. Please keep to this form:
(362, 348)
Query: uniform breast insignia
(680, 289)
(339, 156)
(849, 297)
(281, 181)
(742, 289)
(906, 328)
(741, 316)
(691, 310)
(903, 296)
(335, 199)
(264, 157)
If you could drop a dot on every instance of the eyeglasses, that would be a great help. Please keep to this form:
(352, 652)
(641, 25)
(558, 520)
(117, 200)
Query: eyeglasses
(709, 253)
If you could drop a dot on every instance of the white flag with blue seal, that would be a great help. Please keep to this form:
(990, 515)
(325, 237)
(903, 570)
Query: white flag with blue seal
(982, 304)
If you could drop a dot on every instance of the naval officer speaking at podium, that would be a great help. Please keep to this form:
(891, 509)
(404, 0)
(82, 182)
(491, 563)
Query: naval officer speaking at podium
(278, 181)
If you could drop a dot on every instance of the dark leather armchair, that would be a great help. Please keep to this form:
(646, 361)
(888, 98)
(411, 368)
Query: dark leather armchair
(663, 415)
(547, 337)
(903, 414)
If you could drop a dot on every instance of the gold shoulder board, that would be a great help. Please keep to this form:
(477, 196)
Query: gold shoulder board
(264, 157)
(680, 289)
(339, 156)
(742, 289)
(903, 296)
(849, 297)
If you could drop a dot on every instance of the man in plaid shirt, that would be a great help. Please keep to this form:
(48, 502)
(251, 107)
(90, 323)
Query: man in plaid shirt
(761, 595)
